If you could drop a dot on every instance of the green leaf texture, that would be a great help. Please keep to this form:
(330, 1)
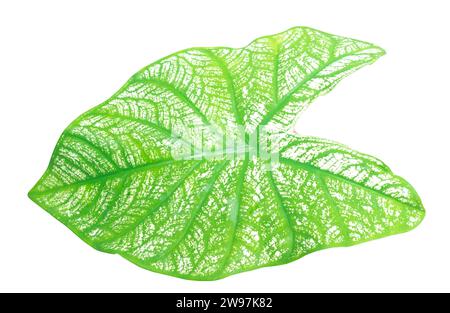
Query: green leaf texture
(114, 181)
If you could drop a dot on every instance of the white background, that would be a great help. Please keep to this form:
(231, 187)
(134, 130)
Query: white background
(58, 59)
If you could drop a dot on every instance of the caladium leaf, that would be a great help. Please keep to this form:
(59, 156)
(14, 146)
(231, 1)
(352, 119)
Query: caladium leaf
(166, 173)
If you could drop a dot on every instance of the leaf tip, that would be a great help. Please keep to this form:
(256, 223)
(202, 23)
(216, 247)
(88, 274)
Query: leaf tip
(34, 191)
(421, 214)
(380, 51)
(31, 193)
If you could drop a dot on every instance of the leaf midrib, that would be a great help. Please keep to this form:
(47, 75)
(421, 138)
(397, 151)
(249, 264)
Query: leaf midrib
(230, 83)
(285, 99)
(206, 193)
(319, 171)
(105, 177)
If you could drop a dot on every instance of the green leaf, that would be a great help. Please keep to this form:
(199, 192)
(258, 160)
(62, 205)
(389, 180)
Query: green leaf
(166, 173)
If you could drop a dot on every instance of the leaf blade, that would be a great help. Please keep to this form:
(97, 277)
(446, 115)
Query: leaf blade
(115, 182)
(369, 197)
